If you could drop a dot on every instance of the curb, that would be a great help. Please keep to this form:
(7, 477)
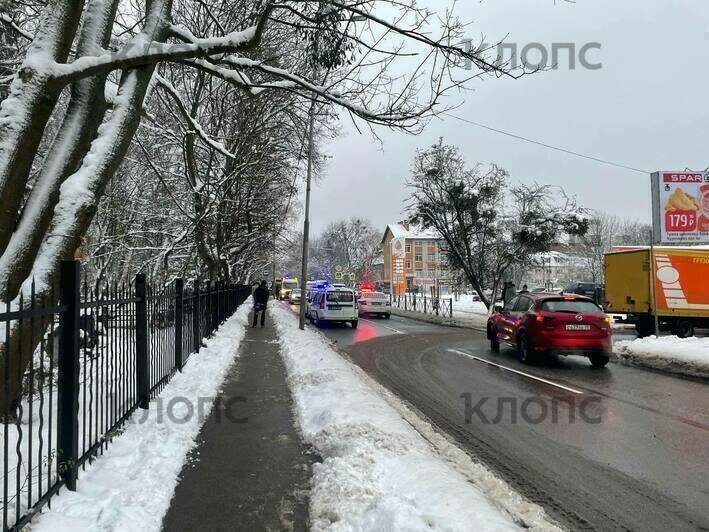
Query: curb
(437, 320)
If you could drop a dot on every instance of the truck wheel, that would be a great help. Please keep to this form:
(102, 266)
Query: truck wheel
(387, 316)
(599, 361)
(645, 327)
(354, 324)
(683, 329)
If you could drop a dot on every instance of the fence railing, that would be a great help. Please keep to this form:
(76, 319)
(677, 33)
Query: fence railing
(72, 373)
(437, 306)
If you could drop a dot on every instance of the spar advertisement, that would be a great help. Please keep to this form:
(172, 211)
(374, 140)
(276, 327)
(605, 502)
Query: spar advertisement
(680, 203)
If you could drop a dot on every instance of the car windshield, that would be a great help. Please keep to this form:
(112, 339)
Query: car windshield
(290, 283)
(576, 306)
(340, 297)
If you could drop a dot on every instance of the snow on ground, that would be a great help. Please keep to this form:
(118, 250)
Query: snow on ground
(130, 486)
(378, 471)
(466, 306)
(688, 356)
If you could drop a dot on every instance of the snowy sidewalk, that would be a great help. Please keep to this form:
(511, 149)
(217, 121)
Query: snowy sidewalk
(250, 470)
(129, 487)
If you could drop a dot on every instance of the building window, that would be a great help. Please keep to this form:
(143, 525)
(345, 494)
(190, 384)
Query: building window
(408, 248)
(419, 272)
(418, 257)
(431, 257)
(408, 264)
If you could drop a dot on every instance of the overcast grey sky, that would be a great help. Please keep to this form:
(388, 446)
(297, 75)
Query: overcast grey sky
(646, 108)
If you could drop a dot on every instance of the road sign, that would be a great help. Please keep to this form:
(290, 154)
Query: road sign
(265, 273)
(338, 275)
(352, 277)
(680, 207)
(338, 268)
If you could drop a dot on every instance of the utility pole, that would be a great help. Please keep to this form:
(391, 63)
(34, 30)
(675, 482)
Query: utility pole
(306, 221)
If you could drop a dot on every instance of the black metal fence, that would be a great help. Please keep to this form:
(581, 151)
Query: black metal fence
(437, 306)
(73, 373)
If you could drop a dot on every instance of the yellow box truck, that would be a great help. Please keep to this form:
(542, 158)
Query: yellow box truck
(681, 287)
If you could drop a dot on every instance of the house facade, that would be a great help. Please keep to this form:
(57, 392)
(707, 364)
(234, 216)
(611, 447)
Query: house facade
(415, 260)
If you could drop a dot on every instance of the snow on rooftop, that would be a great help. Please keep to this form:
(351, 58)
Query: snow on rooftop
(413, 232)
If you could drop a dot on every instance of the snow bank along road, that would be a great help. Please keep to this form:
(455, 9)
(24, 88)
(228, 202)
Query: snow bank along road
(629, 448)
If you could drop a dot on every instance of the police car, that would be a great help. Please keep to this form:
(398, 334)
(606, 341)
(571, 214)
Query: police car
(332, 304)
(373, 303)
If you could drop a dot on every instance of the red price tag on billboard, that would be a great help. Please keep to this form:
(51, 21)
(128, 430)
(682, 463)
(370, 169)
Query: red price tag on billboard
(680, 221)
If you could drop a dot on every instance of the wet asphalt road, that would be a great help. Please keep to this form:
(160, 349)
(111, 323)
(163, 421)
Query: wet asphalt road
(628, 450)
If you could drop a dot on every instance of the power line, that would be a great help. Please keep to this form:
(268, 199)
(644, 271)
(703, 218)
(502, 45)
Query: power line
(538, 143)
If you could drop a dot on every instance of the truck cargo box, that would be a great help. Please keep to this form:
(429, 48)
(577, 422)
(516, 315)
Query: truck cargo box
(682, 281)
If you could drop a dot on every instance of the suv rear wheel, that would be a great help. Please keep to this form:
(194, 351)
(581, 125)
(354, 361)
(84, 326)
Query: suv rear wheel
(525, 349)
(599, 361)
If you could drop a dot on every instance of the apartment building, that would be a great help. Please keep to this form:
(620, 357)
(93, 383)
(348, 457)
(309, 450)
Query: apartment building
(415, 260)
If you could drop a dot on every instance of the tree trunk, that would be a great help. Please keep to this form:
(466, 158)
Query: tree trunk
(81, 191)
(26, 110)
(82, 118)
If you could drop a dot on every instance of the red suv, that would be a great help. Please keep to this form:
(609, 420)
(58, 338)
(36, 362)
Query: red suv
(562, 324)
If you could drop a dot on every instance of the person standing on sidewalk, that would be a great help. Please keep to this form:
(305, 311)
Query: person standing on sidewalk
(260, 299)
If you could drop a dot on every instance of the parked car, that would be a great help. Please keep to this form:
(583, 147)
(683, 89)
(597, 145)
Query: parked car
(590, 290)
(561, 324)
(295, 296)
(374, 303)
(332, 304)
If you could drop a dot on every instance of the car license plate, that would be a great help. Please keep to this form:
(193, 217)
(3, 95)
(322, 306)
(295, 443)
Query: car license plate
(334, 307)
(578, 327)
(375, 303)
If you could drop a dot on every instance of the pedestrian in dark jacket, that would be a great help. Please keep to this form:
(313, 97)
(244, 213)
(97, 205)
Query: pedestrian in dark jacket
(260, 300)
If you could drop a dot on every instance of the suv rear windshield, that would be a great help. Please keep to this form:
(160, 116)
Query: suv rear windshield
(577, 306)
(340, 297)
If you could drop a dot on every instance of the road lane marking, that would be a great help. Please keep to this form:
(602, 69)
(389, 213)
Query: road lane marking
(572, 390)
(397, 331)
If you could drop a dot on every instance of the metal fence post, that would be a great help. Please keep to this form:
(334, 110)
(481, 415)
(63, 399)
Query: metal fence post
(208, 310)
(196, 317)
(141, 341)
(450, 300)
(68, 374)
(179, 319)
(215, 307)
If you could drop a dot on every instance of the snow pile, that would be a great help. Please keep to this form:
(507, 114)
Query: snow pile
(466, 306)
(378, 472)
(130, 486)
(689, 356)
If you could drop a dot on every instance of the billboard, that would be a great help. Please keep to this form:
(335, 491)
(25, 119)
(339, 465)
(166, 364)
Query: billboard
(398, 248)
(680, 207)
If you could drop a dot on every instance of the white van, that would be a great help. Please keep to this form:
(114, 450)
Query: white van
(331, 304)
(375, 303)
